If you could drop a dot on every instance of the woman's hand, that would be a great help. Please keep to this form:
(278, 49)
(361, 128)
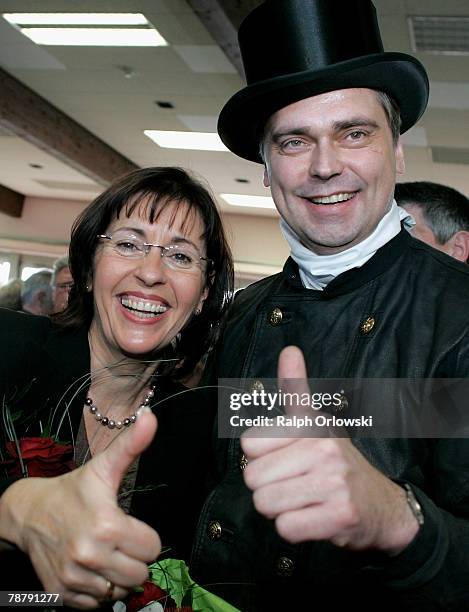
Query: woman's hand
(78, 539)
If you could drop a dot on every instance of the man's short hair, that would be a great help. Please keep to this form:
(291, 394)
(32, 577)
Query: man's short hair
(59, 264)
(445, 210)
(391, 110)
(393, 114)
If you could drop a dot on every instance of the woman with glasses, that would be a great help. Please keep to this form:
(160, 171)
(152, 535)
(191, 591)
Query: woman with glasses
(152, 278)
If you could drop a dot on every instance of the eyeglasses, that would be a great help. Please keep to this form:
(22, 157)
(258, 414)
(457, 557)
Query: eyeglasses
(175, 256)
(64, 286)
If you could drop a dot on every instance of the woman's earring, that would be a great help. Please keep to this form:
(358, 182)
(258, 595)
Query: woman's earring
(197, 311)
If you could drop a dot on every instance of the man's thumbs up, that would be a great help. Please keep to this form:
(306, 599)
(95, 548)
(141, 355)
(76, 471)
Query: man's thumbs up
(292, 378)
(291, 365)
(323, 488)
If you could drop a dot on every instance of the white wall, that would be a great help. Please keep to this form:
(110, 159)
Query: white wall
(43, 220)
(44, 230)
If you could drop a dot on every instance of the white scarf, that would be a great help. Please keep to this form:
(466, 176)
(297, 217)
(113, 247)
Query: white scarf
(317, 271)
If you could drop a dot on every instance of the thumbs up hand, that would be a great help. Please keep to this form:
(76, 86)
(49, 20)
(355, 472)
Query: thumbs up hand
(79, 541)
(318, 488)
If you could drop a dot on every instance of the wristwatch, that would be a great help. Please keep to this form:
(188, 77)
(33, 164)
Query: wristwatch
(414, 505)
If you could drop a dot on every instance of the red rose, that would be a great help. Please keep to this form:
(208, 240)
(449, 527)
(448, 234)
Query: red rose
(41, 456)
(151, 592)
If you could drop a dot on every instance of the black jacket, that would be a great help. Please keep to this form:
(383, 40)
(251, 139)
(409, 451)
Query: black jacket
(418, 301)
(49, 363)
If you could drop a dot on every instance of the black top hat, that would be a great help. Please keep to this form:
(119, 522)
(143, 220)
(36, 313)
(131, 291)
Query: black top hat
(294, 49)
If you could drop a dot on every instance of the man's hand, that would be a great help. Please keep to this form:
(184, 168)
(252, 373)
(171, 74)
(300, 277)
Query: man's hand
(323, 488)
(78, 539)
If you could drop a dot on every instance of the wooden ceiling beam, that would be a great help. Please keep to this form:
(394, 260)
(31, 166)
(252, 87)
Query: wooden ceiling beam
(222, 19)
(11, 202)
(28, 115)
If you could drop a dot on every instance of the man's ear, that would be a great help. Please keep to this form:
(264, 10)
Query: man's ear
(266, 179)
(42, 297)
(458, 246)
(400, 161)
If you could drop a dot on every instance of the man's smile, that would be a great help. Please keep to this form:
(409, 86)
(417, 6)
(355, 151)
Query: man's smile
(333, 198)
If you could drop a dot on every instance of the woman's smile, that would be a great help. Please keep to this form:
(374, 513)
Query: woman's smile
(141, 308)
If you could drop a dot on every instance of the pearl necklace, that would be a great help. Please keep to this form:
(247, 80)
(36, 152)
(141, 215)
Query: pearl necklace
(111, 423)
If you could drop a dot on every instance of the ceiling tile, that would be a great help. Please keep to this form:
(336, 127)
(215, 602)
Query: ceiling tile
(205, 59)
(449, 95)
(416, 137)
(199, 123)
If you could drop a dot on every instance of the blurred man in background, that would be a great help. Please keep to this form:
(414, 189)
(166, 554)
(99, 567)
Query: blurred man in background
(10, 294)
(441, 215)
(36, 293)
(61, 283)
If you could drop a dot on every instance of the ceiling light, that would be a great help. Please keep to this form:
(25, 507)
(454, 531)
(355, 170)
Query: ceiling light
(251, 201)
(201, 141)
(87, 29)
(95, 37)
(76, 18)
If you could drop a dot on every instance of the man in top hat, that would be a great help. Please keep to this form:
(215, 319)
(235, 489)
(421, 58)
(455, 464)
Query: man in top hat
(299, 523)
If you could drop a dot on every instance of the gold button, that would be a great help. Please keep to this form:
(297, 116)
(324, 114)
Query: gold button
(367, 325)
(214, 530)
(257, 386)
(285, 567)
(276, 316)
(243, 462)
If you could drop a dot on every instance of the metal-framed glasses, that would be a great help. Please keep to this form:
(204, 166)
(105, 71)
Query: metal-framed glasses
(64, 286)
(182, 256)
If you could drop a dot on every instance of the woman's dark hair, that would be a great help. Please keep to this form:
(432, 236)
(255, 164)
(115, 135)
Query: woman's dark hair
(155, 188)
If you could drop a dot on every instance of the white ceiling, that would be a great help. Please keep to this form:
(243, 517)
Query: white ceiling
(89, 84)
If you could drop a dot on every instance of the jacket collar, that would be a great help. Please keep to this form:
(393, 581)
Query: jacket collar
(352, 279)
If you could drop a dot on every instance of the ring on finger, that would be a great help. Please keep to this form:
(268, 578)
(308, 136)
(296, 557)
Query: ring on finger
(110, 586)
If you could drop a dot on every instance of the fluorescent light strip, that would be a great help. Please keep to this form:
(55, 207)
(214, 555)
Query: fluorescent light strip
(250, 201)
(200, 141)
(95, 37)
(76, 18)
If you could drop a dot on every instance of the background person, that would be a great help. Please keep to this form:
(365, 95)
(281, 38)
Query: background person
(380, 524)
(10, 294)
(61, 283)
(441, 214)
(152, 278)
(36, 293)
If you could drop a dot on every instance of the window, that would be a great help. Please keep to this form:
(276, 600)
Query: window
(5, 267)
(28, 271)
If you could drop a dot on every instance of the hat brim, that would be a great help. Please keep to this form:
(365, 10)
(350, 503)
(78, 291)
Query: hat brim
(244, 116)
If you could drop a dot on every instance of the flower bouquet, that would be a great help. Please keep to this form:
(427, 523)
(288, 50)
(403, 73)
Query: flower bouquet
(38, 456)
(171, 589)
(31, 455)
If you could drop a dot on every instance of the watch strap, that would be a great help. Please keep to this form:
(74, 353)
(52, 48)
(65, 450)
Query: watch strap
(414, 504)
